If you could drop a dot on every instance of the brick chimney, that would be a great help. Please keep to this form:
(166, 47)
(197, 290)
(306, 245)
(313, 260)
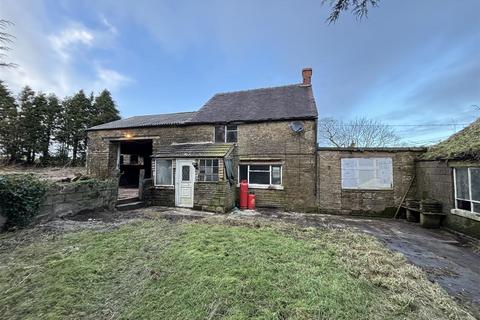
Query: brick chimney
(307, 76)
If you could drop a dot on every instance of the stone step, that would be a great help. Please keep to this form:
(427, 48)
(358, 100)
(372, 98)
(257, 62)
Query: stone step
(127, 200)
(130, 206)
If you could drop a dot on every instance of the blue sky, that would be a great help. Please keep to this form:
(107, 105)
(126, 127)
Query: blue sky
(411, 62)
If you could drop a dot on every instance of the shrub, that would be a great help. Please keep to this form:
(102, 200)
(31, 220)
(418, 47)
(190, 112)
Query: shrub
(20, 198)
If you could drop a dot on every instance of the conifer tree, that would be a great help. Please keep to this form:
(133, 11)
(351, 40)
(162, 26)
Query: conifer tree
(29, 122)
(8, 124)
(105, 109)
(50, 113)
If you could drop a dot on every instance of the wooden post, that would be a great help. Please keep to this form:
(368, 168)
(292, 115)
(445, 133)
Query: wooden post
(141, 181)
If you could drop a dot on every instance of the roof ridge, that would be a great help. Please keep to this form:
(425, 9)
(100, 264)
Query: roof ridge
(258, 89)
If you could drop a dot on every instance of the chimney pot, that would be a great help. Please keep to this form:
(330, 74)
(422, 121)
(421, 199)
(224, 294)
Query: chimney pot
(307, 76)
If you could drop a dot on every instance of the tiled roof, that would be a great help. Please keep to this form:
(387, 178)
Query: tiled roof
(147, 121)
(276, 103)
(194, 150)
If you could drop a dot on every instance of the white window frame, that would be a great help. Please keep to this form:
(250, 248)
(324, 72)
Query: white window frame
(375, 164)
(225, 132)
(155, 174)
(218, 174)
(262, 186)
(469, 175)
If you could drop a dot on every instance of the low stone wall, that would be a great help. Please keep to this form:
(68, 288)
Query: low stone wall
(213, 196)
(71, 198)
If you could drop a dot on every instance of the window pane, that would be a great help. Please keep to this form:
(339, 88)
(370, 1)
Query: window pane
(215, 170)
(232, 127)
(461, 180)
(260, 167)
(259, 177)
(185, 173)
(215, 162)
(243, 173)
(276, 175)
(476, 207)
(163, 172)
(220, 134)
(475, 183)
(231, 136)
(464, 205)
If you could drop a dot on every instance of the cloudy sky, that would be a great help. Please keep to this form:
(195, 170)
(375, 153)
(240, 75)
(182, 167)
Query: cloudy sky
(410, 63)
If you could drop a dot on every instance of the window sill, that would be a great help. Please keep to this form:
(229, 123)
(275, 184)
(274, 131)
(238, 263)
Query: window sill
(164, 186)
(263, 186)
(366, 189)
(466, 214)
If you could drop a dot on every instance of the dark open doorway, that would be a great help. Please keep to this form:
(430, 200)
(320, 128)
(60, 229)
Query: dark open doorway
(134, 156)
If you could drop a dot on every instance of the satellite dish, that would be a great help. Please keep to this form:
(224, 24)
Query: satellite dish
(296, 126)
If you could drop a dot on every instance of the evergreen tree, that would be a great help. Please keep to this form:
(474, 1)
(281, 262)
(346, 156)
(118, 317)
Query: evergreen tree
(8, 124)
(105, 109)
(50, 113)
(30, 122)
(74, 123)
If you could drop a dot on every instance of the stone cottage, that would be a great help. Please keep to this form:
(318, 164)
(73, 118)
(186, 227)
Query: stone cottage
(196, 159)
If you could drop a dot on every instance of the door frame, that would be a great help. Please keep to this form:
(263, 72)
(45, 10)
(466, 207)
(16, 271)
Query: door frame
(178, 176)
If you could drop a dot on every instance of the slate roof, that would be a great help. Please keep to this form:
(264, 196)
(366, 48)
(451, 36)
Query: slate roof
(167, 119)
(275, 103)
(195, 150)
(463, 145)
(267, 104)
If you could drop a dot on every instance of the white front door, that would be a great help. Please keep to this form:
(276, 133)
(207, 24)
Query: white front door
(184, 181)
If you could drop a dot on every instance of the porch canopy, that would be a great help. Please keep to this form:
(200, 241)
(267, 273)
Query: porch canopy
(195, 150)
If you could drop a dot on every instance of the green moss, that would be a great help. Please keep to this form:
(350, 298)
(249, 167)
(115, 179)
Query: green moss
(462, 145)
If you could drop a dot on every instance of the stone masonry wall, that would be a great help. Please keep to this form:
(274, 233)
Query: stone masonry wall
(435, 181)
(333, 199)
(72, 198)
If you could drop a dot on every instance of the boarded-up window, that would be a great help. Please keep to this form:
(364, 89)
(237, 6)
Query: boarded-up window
(367, 173)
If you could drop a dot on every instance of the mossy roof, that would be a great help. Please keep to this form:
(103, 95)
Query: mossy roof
(463, 145)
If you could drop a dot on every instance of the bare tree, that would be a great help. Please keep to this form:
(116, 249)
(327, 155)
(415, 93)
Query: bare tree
(360, 132)
(358, 7)
(6, 39)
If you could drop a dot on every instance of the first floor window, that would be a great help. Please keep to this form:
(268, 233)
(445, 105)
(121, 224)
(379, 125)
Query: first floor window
(367, 173)
(226, 133)
(467, 189)
(163, 172)
(208, 170)
(261, 174)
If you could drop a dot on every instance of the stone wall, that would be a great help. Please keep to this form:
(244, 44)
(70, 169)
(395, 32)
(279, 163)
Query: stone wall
(276, 142)
(333, 199)
(71, 198)
(435, 181)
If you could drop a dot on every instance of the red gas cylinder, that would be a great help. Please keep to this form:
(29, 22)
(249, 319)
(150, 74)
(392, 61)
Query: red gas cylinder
(243, 194)
(251, 202)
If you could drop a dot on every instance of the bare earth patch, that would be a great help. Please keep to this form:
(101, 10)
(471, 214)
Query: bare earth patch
(160, 263)
(49, 173)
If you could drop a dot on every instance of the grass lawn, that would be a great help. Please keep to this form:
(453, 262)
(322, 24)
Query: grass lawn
(213, 270)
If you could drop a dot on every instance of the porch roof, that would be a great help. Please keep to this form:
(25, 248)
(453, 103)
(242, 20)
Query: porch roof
(195, 150)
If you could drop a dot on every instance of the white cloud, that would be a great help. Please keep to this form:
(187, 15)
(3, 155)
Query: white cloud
(110, 79)
(63, 41)
(111, 28)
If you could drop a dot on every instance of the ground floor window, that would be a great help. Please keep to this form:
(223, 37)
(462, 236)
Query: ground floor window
(367, 173)
(467, 189)
(163, 172)
(208, 170)
(261, 174)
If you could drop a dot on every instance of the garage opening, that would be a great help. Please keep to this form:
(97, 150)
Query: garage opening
(134, 155)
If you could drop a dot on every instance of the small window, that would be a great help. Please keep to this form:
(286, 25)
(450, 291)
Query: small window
(226, 134)
(163, 172)
(208, 170)
(467, 189)
(220, 134)
(261, 174)
(185, 173)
